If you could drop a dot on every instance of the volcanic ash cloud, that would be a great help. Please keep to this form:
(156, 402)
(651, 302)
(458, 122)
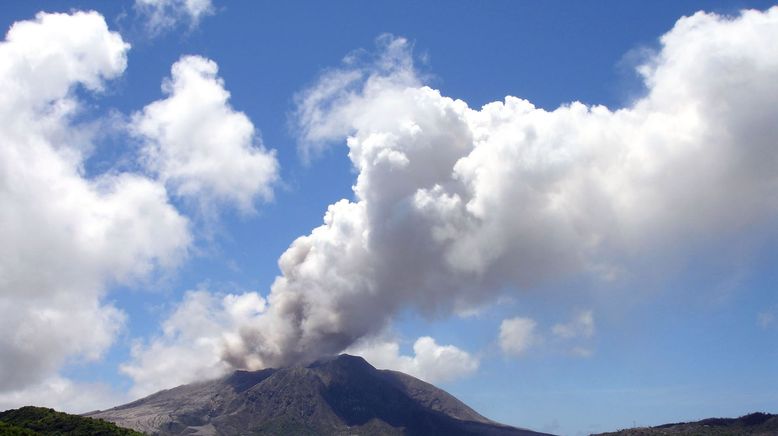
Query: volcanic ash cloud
(454, 204)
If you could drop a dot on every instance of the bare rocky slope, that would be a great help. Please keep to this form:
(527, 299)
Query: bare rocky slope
(343, 395)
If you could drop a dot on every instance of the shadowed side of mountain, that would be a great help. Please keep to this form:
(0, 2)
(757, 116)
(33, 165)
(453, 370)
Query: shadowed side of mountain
(343, 395)
(435, 399)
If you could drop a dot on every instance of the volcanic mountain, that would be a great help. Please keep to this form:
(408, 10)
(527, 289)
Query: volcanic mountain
(343, 395)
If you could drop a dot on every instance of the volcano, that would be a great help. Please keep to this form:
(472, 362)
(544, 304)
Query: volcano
(343, 395)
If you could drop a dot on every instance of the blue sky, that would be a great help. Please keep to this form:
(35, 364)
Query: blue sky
(627, 290)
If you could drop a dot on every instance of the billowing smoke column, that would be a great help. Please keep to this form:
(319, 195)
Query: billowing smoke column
(453, 204)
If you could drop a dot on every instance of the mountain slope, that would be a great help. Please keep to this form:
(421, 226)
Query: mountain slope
(761, 424)
(342, 396)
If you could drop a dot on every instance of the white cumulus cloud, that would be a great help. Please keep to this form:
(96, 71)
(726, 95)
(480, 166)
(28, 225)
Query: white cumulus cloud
(189, 346)
(64, 395)
(581, 326)
(430, 362)
(198, 145)
(66, 237)
(766, 318)
(517, 335)
(162, 15)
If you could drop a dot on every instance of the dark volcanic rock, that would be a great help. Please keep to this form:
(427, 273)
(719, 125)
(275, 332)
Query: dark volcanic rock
(339, 396)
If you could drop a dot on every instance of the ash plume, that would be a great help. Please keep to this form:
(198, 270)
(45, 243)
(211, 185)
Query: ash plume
(451, 203)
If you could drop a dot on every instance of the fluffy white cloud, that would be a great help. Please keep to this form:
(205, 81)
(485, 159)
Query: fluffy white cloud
(193, 339)
(430, 362)
(66, 237)
(579, 351)
(581, 326)
(324, 111)
(517, 335)
(766, 318)
(579, 329)
(201, 147)
(162, 15)
(190, 344)
(64, 395)
(454, 204)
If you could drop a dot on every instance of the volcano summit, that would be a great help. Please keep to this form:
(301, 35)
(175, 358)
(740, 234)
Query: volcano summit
(343, 395)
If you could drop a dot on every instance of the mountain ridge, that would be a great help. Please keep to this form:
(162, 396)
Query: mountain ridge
(342, 395)
(753, 424)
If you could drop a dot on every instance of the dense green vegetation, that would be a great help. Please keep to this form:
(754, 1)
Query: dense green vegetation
(35, 421)
(754, 424)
